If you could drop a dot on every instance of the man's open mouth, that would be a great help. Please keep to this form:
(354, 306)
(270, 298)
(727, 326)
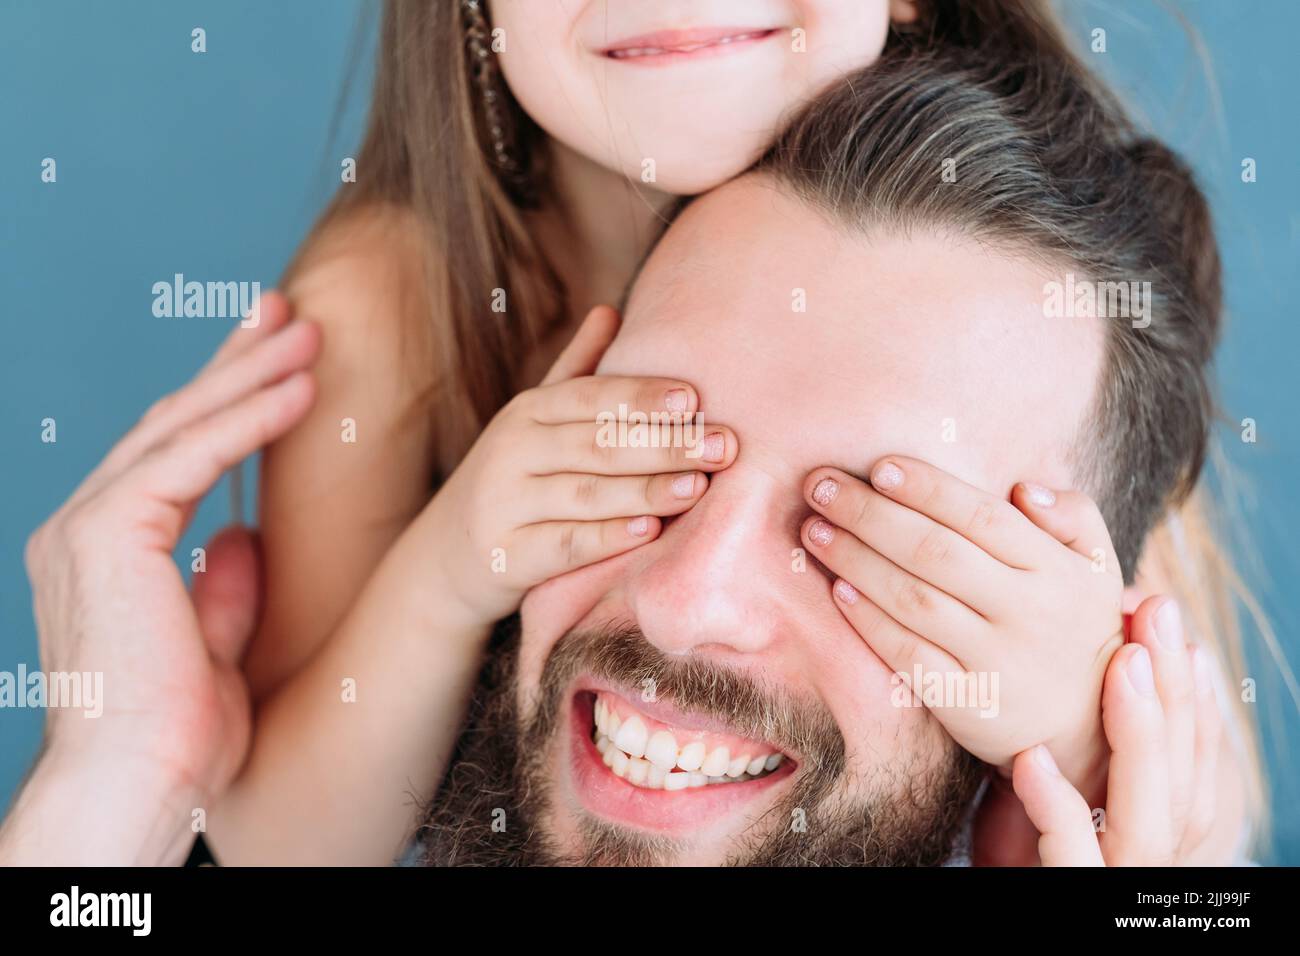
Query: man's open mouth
(650, 754)
(650, 765)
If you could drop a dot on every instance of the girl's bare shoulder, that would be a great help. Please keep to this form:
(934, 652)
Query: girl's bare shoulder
(361, 276)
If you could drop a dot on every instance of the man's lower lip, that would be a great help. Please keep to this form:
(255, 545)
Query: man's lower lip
(651, 55)
(678, 811)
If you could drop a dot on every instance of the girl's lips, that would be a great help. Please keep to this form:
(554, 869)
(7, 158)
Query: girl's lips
(667, 46)
(667, 811)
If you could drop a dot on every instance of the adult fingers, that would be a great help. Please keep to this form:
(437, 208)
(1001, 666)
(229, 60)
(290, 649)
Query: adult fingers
(184, 467)
(1067, 836)
(272, 359)
(227, 594)
(1157, 626)
(1138, 827)
(270, 312)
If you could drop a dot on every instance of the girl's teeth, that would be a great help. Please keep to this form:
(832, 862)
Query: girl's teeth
(684, 48)
(653, 760)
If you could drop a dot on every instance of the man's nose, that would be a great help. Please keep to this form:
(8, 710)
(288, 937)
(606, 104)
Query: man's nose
(722, 573)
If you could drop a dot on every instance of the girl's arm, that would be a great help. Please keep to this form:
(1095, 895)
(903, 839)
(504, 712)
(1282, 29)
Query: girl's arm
(345, 750)
(330, 508)
(329, 511)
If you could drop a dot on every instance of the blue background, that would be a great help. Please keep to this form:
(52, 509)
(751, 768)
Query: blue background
(215, 164)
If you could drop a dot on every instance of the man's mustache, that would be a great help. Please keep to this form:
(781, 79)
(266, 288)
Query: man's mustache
(620, 653)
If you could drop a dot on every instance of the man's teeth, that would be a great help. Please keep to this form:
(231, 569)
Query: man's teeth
(655, 762)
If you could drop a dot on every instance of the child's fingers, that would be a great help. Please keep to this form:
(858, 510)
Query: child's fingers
(1067, 836)
(910, 539)
(594, 398)
(594, 497)
(989, 522)
(1070, 517)
(1157, 626)
(1209, 735)
(582, 447)
(270, 312)
(548, 549)
(1138, 827)
(582, 354)
(917, 605)
(901, 650)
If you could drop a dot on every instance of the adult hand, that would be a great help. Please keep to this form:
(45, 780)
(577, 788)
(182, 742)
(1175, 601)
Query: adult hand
(1164, 729)
(109, 599)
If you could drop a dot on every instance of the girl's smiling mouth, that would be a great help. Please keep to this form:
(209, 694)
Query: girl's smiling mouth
(673, 46)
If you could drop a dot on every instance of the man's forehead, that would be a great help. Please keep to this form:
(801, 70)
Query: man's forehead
(824, 347)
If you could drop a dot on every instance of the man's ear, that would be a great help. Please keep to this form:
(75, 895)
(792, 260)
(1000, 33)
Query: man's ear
(903, 11)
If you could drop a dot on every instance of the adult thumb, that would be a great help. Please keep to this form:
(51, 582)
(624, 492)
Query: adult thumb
(227, 594)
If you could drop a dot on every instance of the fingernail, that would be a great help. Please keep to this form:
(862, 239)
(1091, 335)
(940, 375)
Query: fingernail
(825, 491)
(676, 400)
(1201, 672)
(1139, 672)
(845, 592)
(1043, 497)
(684, 486)
(820, 533)
(1043, 757)
(715, 447)
(637, 527)
(1169, 625)
(887, 476)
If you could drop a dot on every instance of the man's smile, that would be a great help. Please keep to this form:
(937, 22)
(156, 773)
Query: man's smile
(649, 765)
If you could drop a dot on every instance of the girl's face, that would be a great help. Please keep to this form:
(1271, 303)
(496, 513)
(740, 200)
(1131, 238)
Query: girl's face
(680, 94)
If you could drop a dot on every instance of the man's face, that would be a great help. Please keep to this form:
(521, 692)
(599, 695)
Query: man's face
(818, 347)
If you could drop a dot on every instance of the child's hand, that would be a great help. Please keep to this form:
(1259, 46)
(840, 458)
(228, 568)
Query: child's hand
(939, 576)
(540, 494)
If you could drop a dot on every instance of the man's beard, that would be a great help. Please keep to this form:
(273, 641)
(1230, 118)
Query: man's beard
(498, 787)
